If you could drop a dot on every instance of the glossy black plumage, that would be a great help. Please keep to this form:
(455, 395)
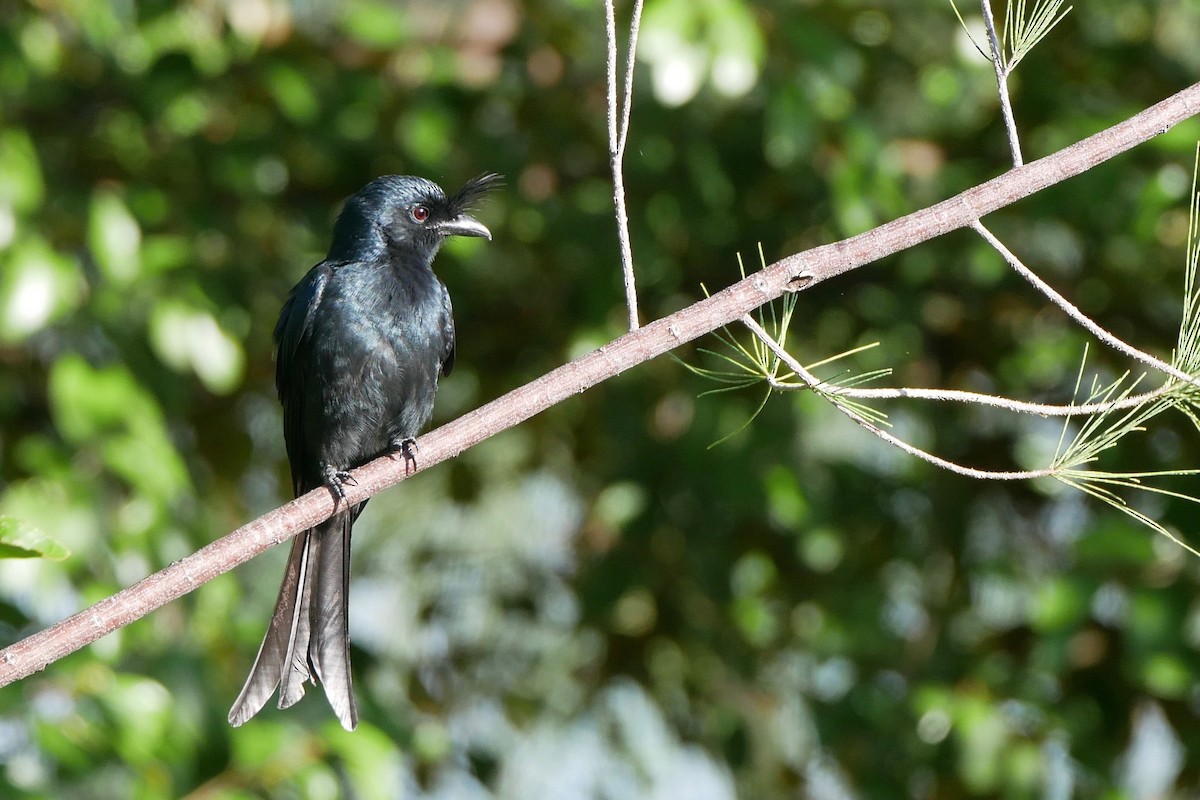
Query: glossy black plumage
(361, 343)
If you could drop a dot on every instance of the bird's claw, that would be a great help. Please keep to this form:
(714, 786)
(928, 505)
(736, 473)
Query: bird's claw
(336, 479)
(407, 448)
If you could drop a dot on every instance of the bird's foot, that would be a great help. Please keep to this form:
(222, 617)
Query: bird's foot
(407, 448)
(337, 479)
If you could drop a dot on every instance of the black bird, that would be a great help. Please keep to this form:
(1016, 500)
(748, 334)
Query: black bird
(361, 342)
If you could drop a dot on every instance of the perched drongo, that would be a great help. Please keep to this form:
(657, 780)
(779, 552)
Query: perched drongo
(360, 345)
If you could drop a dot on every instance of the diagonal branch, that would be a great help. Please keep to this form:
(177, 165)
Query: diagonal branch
(792, 273)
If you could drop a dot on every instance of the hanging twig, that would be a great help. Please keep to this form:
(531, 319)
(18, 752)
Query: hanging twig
(618, 135)
(1074, 313)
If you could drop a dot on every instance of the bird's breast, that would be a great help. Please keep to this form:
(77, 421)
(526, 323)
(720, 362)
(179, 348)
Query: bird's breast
(377, 355)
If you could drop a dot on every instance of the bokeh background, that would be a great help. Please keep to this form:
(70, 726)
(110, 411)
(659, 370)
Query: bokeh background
(596, 604)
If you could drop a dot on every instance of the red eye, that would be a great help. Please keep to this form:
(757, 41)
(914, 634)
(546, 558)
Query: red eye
(419, 213)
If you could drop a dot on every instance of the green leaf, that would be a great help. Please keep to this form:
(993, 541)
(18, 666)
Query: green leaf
(141, 715)
(426, 134)
(19, 539)
(371, 758)
(375, 24)
(21, 183)
(786, 500)
(1059, 604)
(292, 93)
(1167, 675)
(1023, 32)
(107, 409)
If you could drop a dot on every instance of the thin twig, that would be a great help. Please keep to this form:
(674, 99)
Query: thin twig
(1077, 315)
(617, 137)
(795, 272)
(817, 385)
(610, 68)
(975, 398)
(1002, 71)
(635, 26)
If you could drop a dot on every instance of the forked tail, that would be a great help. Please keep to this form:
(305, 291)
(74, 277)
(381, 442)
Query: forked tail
(308, 636)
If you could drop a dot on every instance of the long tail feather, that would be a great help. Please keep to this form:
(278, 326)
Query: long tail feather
(293, 665)
(265, 674)
(329, 647)
(308, 638)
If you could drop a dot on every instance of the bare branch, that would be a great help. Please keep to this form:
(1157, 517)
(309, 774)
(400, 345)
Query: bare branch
(792, 273)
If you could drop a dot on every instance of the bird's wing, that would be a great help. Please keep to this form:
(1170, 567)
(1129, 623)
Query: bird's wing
(293, 340)
(447, 333)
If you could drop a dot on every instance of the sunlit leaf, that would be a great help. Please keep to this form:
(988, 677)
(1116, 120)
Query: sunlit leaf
(374, 23)
(114, 237)
(19, 539)
(37, 286)
(190, 339)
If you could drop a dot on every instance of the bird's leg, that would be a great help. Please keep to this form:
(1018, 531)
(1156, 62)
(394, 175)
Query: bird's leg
(407, 448)
(336, 479)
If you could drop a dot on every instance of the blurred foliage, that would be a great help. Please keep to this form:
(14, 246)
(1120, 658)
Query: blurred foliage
(594, 604)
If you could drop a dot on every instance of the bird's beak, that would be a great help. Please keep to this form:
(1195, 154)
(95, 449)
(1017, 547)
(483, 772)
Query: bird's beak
(464, 225)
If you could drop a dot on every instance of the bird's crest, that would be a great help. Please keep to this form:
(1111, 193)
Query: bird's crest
(474, 190)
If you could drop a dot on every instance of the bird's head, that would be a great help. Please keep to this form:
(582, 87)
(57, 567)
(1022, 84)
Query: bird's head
(407, 212)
